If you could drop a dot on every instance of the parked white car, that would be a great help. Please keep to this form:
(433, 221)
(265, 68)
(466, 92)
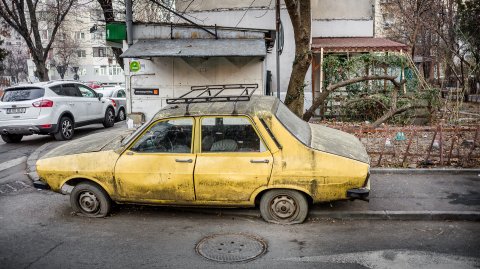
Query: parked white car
(54, 107)
(119, 100)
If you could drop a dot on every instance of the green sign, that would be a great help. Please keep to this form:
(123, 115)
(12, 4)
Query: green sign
(134, 66)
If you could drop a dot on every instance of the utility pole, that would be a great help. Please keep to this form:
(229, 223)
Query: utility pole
(278, 25)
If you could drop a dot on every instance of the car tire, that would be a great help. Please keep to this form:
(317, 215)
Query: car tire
(12, 138)
(121, 115)
(283, 206)
(65, 129)
(90, 200)
(109, 119)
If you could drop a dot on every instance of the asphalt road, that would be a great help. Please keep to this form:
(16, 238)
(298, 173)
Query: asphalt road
(38, 230)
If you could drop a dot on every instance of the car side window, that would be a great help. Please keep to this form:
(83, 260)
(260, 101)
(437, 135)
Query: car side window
(86, 92)
(121, 94)
(70, 90)
(174, 136)
(58, 90)
(230, 134)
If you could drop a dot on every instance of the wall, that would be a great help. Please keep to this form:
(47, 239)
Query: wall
(175, 76)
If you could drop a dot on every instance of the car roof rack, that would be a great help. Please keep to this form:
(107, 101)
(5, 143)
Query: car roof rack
(215, 93)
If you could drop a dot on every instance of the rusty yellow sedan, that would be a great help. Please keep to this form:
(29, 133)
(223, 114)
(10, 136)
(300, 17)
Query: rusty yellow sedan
(248, 153)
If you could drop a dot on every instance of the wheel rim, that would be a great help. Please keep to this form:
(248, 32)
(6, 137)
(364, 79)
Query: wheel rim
(122, 115)
(88, 202)
(110, 116)
(283, 207)
(67, 128)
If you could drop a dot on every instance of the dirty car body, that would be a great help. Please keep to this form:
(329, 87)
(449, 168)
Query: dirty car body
(214, 154)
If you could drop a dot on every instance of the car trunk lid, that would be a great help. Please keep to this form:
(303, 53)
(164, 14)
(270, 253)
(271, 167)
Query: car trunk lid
(17, 103)
(338, 143)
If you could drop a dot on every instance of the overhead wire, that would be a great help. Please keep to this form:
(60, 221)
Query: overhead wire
(251, 4)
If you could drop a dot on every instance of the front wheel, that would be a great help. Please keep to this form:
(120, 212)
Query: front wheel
(90, 200)
(12, 138)
(283, 206)
(109, 119)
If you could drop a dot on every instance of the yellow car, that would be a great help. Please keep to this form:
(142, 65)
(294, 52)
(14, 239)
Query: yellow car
(246, 153)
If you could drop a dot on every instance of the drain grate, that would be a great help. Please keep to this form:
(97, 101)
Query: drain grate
(231, 247)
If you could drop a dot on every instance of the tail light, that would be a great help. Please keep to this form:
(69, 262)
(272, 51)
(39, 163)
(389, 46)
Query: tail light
(43, 103)
(114, 103)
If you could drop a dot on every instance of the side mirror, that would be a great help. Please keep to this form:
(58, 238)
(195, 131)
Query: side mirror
(100, 95)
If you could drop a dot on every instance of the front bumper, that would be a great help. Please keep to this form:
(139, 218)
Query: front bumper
(28, 129)
(38, 184)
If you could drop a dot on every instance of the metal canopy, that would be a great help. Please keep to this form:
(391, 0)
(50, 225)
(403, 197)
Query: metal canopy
(196, 48)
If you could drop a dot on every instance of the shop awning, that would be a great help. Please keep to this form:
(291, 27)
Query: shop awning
(356, 44)
(196, 48)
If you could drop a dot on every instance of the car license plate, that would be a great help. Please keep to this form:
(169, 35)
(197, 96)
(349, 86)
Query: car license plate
(16, 110)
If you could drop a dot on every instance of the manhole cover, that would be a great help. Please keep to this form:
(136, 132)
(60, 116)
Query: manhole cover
(231, 247)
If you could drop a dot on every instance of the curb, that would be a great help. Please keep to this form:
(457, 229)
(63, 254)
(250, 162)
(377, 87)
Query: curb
(31, 161)
(358, 215)
(382, 171)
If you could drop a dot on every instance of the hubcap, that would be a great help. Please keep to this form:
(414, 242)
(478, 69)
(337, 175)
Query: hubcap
(111, 116)
(67, 128)
(283, 207)
(88, 202)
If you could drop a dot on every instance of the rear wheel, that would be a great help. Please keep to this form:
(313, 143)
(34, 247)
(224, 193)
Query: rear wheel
(121, 115)
(284, 206)
(90, 200)
(65, 129)
(12, 138)
(109, 119)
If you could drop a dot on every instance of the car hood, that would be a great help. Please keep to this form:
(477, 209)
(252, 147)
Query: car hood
(109, 140)
(338, 143)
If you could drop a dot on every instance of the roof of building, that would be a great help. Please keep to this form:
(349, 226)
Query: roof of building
(256, 104)
(356, 44)
(196, 48)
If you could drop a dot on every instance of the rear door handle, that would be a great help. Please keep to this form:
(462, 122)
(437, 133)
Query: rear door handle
(260, 161)
(184, 160)
(72, 104)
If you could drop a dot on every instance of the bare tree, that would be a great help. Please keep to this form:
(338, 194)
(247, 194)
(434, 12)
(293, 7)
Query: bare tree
(66, 49)
(15, 64)
(25, 16)
(300, 16)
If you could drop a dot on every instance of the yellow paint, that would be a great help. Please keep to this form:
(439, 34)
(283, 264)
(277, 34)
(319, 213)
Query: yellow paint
(217, 179)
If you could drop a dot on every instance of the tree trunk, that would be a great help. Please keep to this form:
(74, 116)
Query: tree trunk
(41, 71)
(300, 16)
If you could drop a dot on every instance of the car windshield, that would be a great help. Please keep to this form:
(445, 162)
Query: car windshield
(106, 93)
(22, 94)
(296, 126)
(129, 138)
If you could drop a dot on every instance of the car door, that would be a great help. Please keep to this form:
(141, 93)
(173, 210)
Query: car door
(73, 100)
(94, 105)
(233, 161)
(158, 166)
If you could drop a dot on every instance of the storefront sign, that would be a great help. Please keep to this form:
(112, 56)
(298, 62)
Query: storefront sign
(145, 91)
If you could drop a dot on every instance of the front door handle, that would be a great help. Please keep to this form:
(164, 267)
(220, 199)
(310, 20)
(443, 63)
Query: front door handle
(260, 161)
(184, 160)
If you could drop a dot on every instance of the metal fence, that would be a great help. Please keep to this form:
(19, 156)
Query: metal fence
(416, 146)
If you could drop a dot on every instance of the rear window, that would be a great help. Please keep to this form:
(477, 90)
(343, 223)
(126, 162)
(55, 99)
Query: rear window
(22, 94)
(296, 126)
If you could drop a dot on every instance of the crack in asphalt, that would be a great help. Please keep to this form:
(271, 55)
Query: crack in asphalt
(41, 256)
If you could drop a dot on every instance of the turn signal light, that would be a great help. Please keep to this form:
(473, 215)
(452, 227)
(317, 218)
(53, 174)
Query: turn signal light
(43, 103)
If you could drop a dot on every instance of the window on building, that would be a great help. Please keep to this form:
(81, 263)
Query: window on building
(81, 53)
(79, 35)
(115, 70)
(100, 70)
(99, 34)
(44, 34)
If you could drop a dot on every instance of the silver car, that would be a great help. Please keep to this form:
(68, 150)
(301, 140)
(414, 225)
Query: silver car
(119, 100)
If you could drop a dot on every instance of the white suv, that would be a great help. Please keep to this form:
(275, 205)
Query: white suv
(54, 107)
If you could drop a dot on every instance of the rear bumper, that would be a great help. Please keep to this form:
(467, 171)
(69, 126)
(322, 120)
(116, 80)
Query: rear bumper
(28, 129)
(360, 193)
